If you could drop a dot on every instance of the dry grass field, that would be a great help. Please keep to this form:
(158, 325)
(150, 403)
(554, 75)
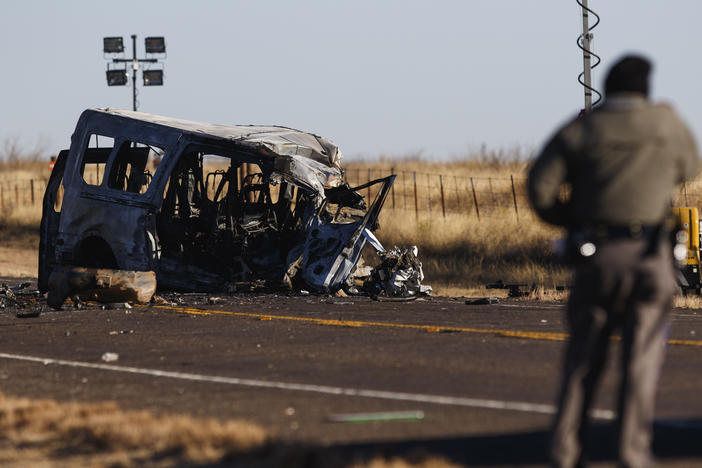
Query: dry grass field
(461, 250)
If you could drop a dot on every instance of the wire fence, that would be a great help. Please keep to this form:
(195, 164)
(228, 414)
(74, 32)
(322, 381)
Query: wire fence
(22, 192)
(439, 195)
(424, 194)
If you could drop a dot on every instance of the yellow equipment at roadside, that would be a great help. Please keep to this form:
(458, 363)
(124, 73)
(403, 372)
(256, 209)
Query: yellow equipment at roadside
(689, 221)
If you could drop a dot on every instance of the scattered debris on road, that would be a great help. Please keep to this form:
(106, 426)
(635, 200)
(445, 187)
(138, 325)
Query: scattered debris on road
(20, 300)
(515, 289)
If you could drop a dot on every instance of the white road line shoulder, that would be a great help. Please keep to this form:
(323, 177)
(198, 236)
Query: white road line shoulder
(314, 388)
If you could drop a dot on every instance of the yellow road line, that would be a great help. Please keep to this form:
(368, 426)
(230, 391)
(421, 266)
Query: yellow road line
(531, 335)
(553, 336)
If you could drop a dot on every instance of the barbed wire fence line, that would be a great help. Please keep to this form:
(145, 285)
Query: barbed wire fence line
(438, 195)
(427, 195)
(22, 192)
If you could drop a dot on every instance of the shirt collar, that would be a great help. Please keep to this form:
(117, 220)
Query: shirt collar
(625, 101)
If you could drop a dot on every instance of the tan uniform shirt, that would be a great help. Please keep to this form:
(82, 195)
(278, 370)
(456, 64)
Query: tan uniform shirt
(622, 162)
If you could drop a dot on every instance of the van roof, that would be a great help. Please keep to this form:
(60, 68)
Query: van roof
(282, 141)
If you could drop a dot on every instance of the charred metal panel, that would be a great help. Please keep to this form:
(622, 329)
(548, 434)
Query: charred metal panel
(332, 250)
(50, 219)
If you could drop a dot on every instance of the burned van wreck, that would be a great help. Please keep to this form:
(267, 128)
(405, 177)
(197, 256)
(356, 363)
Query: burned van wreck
(204, 207)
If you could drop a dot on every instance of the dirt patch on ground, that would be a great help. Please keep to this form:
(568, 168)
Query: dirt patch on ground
(18, 263)
(19, 248)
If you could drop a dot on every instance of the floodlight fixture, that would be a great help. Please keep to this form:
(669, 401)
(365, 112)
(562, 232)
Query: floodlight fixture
(120, 76)
(155, 45)
(117, 77)
(112, 45)
(153, 77)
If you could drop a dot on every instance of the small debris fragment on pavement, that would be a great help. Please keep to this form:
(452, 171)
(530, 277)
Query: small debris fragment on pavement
(482, 301)
(358, 418)
(110, 357)
(28, 313)
(117, 305)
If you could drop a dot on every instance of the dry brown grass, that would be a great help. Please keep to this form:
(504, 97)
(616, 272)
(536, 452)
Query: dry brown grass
(461, 253)
(397, 462)
(488, 164)
(46, 433)
(20, 216)
(687, 302)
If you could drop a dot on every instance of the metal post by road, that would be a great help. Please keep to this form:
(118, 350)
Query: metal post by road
(587, 76)
(135, 67)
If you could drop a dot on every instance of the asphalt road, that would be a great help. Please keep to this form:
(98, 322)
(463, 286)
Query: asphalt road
(485, 376)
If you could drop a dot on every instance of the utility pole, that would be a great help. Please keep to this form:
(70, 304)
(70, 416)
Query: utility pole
(587, 71)
(585, 44)
(118, 77)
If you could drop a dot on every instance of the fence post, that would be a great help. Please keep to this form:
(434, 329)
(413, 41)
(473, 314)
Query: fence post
(514, 197)
(31, 189)
(429, 195)
(404, 190)
(369, 189)
(416, 206)
(392, 189)
(458, 199)
(492, 194)
(16, 195)
(475, 199)
(443, 205)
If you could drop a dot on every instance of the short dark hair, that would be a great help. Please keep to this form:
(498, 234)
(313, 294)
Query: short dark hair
(629, 74)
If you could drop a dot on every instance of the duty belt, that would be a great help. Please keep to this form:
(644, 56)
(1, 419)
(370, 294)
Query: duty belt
(624, 231)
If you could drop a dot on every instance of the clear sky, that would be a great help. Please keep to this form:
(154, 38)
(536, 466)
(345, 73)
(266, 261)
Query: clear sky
(395, 77)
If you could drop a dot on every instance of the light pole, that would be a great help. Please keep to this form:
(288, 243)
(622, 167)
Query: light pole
(118, 76)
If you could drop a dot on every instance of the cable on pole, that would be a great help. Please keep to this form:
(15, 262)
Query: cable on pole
(584, 43)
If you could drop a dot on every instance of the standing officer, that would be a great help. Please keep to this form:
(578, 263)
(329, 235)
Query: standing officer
(621, 162)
